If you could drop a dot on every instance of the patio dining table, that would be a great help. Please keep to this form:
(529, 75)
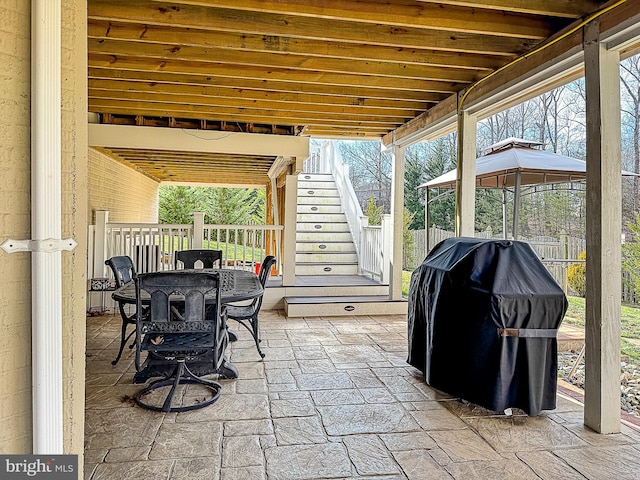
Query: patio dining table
(236, 286)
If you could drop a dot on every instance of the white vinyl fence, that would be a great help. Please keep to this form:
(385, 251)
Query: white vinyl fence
(557, 254)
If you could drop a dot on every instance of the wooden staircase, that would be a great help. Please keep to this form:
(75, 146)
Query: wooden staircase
(324, 245)
(327, 262)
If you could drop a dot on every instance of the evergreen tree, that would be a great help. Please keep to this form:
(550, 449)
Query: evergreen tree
(176, 204)
(414, 175)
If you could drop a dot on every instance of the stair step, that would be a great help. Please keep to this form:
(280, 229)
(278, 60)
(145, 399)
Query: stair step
(323, 227)
(317, 192)
(314, 176)
(311, 200)
(326, 185)
(319, 209)
(325, 247)
(318, 236)
(341, 306)
(327, 258)
(321, 218)
(324, 269)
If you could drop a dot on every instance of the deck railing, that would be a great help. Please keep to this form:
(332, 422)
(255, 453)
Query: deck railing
(375, 247)
(152, 247)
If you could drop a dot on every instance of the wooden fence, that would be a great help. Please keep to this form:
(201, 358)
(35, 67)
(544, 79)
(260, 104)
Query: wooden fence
(557, 254)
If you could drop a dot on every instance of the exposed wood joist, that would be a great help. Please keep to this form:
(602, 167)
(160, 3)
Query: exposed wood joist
(333, 68)
(544, 68)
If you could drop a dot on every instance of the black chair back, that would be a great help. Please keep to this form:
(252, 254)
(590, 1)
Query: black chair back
(188, 258)
(247, 315)
(123, 271)
(200, 322)
(122, 268)
(197, 334)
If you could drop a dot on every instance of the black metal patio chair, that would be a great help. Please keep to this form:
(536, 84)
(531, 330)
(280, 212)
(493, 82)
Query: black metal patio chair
(123, 272)
(189, 258)
(199, 337)
(247, 315)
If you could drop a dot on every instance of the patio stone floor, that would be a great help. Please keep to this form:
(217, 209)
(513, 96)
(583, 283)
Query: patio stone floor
(333, 399)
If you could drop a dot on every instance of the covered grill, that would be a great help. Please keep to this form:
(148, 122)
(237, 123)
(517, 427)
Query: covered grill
(483, 318)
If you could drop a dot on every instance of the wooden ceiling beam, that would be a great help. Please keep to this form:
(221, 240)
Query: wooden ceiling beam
(266, 76)
(152, 13)
(243, 95)
(559, 8)
(443, 16)
(235, 114)
(167, 159)
(241, 103)
(235, 59)
(219, 85)
(101, 29)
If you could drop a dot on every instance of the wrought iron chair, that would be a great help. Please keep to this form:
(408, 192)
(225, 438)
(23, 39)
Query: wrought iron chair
(199, 337)
(123, 272)
(188, 258)
(247, 315)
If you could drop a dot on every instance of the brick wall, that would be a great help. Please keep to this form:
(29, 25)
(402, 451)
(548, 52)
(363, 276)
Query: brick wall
(15, 222)
(128, 195)
(74, 220)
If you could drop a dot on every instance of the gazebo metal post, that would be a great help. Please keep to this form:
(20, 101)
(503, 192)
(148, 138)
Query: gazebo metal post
(516, 205)
(504, 213)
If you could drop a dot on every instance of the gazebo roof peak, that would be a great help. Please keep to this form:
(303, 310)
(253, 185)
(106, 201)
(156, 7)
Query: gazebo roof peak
(511, 142)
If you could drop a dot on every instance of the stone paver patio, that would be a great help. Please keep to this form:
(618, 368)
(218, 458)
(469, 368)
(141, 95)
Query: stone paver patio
(333, 399)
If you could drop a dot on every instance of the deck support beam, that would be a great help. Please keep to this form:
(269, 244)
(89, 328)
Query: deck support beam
(466, 174)
(603, 207)
(397, 212)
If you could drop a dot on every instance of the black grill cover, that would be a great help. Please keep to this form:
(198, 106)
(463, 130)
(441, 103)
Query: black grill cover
(483, 318)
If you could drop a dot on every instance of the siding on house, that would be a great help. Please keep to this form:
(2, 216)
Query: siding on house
(128, 195)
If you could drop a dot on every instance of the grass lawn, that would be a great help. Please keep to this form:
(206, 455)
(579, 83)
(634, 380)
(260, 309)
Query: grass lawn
(629, 318)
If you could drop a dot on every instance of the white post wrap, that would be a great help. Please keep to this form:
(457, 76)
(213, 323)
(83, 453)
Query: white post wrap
(198, 230)
(100, 243)
(604, 224)
(397, 213)
(466, 175)
(290, 220)
(46, 222)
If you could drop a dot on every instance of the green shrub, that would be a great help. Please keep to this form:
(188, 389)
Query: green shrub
(577, 276)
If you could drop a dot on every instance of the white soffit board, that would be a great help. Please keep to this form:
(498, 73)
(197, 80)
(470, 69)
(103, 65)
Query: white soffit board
(191, 140)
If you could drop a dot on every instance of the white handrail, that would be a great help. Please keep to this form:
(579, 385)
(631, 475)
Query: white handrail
(350, 203)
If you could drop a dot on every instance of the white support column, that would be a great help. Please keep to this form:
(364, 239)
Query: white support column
(198, 230)
(397, 213)
(100, 243)
(290, 225)
(466, 175)
(46, 223)
(604, 222)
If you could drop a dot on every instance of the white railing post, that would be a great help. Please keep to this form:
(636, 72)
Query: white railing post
(100, 243)
(387, 247)
(198, 230)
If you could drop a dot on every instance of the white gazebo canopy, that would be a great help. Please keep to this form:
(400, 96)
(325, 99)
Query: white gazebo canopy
(514, 163)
